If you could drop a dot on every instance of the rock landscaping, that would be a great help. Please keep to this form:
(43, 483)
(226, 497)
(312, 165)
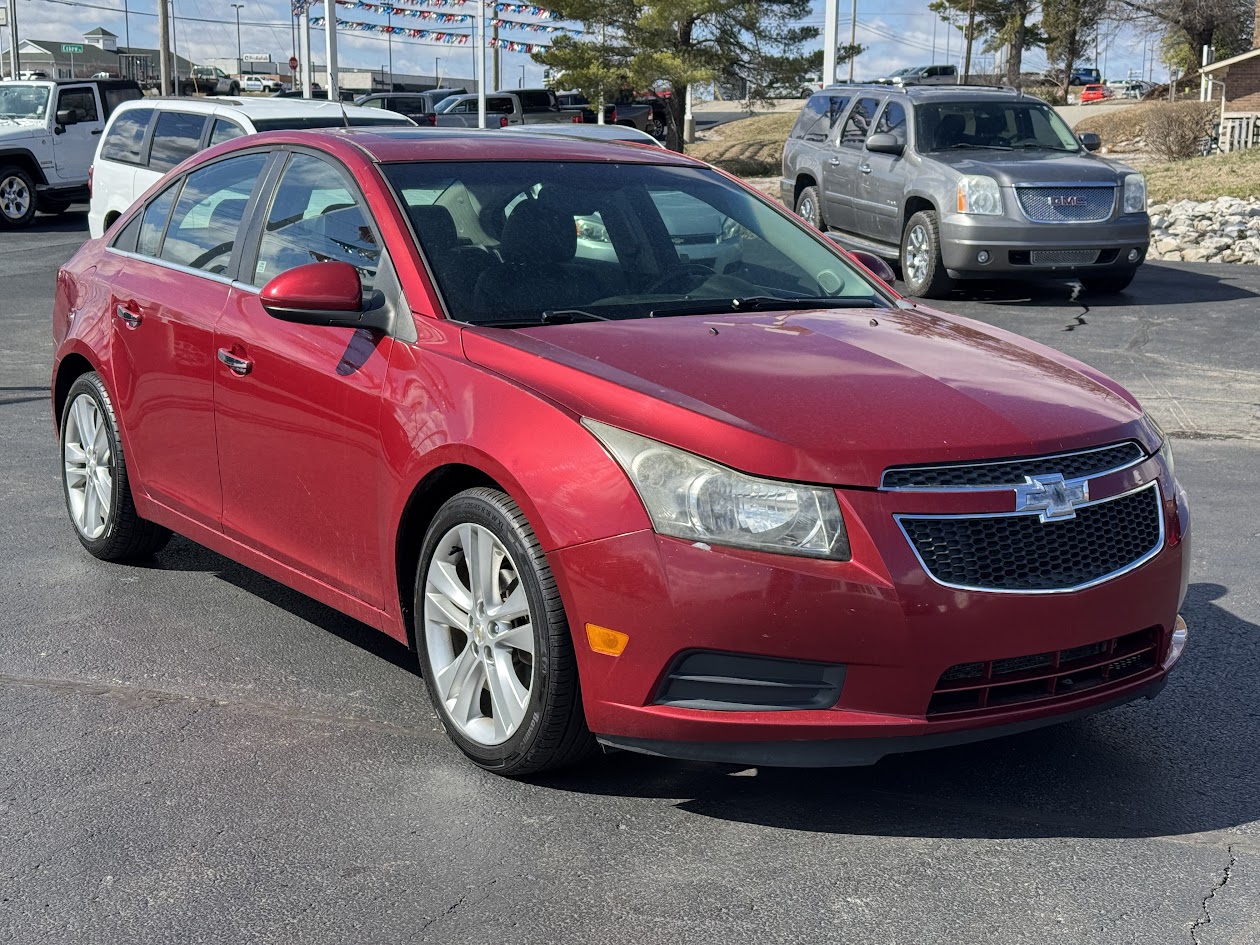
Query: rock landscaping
(1225, 230)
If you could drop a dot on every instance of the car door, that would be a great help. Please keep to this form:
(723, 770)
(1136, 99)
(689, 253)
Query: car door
(882, 180)
(840, 168)
(168, 278)
(297, 406)
(75, 146)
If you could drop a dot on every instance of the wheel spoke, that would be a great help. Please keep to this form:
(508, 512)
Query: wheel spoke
(104, 486)
(515, 607)
(518, 638)
(507, 696)
(448, 611)
(74, 455)
(448, 679)
(466, 706)
(484, 577)
(91, 510)
(444, 579)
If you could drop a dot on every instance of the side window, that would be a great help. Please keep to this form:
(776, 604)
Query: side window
(153, 223)
(811, 124)
(80, 101)
(116, 96)
(125, 138)
(176, 137)
(858, 124)
(892, 121)
(374, 103)
(204, 226)
(224, 130)
(129, 235)
(314, 218)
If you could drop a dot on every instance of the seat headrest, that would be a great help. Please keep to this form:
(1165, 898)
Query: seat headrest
(435, 227)
(538, 234)
(227, 213)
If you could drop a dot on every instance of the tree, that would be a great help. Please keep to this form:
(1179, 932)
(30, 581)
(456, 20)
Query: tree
(1189, 25)
(1068, 24)
(1003, 23)
(679, 43)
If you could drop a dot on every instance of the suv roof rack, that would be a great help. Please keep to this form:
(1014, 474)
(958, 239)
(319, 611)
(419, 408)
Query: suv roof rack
(924, 86)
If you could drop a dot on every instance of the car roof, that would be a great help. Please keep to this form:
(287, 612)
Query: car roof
(250, 107)
(937, 92)
(388, 145)
(591, 132)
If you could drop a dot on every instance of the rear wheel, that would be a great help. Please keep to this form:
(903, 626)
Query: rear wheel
(1108, 282)
(17, 197)
(809, 209)
(922, 268)
(494, 641)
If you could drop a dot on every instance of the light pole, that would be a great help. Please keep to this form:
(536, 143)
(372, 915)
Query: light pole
(389, 35)
(522, 85)
(437, 71)
(238, 7)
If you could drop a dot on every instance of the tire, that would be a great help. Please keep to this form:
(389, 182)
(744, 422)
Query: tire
(52, 207)
(187, 89)
(234, 89)
(94, 478)
(809, 209)
(17, 197)
(922, 268)
(1108, 282)
(533, 720)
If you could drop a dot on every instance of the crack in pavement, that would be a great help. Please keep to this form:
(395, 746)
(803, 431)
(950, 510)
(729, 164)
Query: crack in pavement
(1206, 917)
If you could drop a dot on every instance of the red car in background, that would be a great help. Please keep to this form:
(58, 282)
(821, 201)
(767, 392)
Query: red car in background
(1095, 93)
(745, 506)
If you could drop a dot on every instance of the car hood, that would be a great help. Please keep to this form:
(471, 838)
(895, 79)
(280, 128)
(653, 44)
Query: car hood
(11, 128)
(1023, 167)
(820, 396)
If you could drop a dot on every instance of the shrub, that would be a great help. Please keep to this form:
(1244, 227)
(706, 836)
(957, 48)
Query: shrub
(1175, 130)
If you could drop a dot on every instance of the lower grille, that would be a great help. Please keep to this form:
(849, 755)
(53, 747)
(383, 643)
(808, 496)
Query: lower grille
(1064, 257)
(1060, 674)
(1018, 552)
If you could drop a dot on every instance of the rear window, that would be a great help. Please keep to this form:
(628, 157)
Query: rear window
(176, 136)
(819, 116)
(333, 120)
(534, 99)
(125, 138)
(115, 96)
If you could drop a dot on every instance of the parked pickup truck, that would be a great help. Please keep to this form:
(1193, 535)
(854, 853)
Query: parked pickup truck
(625, 111)
(502, 109)
(210, 81)
(48, 136)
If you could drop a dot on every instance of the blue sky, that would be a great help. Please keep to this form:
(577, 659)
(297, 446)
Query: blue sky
(896, 32)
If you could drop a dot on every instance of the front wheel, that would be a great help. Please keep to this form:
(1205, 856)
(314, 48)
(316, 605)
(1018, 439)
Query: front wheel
(493, 639)
(1109, 282)
(94, 478)
(809, 209)
(922, 268)
(17, 197)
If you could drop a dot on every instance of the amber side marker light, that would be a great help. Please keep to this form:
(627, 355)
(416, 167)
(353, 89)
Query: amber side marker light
(603, 640)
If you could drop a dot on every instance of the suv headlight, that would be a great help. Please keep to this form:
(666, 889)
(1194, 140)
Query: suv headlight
(700, 500)
(979, 194)
(1135, 194)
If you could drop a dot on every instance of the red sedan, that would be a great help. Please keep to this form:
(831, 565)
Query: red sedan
(1095, 93)
(628, 453)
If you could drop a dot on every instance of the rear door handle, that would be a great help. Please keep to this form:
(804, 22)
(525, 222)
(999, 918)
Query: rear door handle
(834, 162)
(127, 312)
(864, 168)
(238, 366)
(97, 131)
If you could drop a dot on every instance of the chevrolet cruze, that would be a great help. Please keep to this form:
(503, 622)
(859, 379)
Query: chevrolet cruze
(766, 512)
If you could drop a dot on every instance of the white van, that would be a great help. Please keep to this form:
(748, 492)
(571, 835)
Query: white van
(146, 138)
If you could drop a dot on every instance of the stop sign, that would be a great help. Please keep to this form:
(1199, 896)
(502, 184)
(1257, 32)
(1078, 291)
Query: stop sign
(293, 63)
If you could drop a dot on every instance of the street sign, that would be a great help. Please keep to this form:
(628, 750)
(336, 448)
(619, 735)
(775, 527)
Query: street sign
(293, 63)
(72, 47)
(256, 57)
(4, 16)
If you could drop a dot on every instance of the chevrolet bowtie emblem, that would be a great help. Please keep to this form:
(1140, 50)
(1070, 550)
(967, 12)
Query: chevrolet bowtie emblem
(1052, 496)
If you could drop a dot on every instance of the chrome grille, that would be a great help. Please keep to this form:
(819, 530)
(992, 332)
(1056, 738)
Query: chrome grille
(1009, 473)
(1067, 204)
(1016, 552)
(1064, 257)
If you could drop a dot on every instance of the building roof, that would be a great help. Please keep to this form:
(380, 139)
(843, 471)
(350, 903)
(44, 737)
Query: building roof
(92, 56)
(1226, 63)
(100, 31)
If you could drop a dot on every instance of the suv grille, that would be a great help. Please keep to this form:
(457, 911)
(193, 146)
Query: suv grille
(1017, 552)
(1067, 204)
(1009, 473)
(997, 684)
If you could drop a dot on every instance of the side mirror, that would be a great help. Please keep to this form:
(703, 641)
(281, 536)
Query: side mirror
(327, 293)
(885, 144)
(1090, 141)
(876, 265)
(65, 116)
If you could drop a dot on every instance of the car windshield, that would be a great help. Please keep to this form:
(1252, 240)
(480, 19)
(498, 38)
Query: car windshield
(1004, 125)
(23, 101)
(448, 103)
(527, 243)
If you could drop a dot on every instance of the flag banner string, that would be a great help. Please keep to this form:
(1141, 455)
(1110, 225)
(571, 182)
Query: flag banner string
(450, 39)
(408, 9)
(512, 45)
(448, 18)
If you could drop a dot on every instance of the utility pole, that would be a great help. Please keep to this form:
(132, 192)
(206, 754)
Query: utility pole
(238, 7)
(13, 38)
(389, 33)
(831, 26)
(971, 30)
(127, 26)
(330, 52)
(479, 72)
(853, 37)
(496, 62)
(164, 48)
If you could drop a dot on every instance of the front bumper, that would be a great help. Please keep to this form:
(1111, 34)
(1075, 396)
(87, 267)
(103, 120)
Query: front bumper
(1011, 243)
(879, 616)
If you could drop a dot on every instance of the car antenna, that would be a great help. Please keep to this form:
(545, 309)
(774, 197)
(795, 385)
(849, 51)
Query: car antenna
(345, 119)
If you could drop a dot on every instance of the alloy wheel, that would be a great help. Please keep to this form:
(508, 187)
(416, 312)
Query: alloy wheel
(807, 210)
(479, 634)
(89, 467)
(15, 197)
(918, 252)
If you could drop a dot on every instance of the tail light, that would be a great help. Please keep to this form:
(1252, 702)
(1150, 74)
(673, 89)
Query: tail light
(430, 120)
(576, 119)
(503, 122)
(91, 171)
(612, 114)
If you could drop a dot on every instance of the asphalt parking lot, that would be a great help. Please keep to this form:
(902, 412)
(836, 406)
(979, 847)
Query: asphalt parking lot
(193, 753)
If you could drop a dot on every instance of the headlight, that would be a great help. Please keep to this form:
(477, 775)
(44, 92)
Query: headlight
(700, 500)
(1165, 447)
(1135, 194)
(979, 194)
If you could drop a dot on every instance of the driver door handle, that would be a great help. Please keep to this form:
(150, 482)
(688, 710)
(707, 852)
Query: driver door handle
(126, 311)
(864, 168)
(238, 366)
(834, 162)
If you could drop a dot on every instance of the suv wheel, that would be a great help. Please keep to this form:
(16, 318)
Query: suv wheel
(17, 197)
(921, 266)
(1107, 282)
(809, 209)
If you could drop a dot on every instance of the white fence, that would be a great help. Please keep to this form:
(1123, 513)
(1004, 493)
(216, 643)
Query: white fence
(1239, 130)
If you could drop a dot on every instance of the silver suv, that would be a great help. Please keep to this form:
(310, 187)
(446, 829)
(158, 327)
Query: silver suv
(964, 182)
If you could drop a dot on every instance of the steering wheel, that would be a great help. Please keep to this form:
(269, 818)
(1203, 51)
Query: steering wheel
(686, 270)
(212, 252)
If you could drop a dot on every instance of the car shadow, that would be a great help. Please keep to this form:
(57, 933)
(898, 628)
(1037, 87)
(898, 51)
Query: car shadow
(74, 220)
(1149, 769)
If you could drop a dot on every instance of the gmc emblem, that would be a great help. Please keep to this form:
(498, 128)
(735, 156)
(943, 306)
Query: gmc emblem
(1070, 200)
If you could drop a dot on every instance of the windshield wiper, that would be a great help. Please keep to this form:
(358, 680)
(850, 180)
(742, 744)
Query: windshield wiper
(962, 145)
(761, 303)
(557, 316)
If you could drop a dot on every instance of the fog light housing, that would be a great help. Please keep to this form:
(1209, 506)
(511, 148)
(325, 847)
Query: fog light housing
(983, 257)
(1178, 643)
(1135, 255)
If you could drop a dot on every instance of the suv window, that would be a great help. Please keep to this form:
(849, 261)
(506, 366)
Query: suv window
(314, 217)
(116, 95)
(858, 124)
(224, 130)
(176, 137)
(80, 101)
(203, 228)
(892, 121)
(534, 99)
(819, 116)
(125, 139)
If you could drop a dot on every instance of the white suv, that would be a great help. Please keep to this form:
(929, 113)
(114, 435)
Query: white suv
(146, 138)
